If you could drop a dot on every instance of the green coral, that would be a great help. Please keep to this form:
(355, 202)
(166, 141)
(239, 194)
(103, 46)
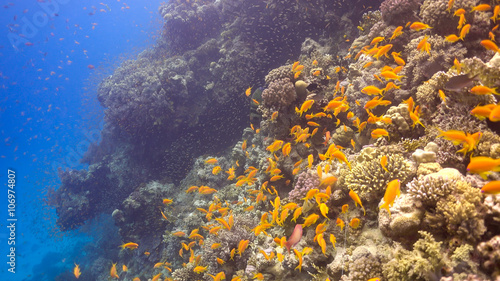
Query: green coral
(423, 263)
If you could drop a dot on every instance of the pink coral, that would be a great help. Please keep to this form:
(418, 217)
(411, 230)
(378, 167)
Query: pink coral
(305, 182)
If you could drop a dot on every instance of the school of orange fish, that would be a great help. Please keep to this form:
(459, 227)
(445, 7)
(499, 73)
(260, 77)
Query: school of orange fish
(219, 213)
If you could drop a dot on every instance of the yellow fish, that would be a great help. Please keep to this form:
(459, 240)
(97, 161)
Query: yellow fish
(392, 191)
(356, 199)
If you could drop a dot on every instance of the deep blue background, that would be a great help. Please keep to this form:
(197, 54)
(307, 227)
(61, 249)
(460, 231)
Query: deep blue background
(49, 111)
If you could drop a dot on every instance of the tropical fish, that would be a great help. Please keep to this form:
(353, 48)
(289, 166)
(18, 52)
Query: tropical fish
(354, 223)
(112, 271)
(211, 161)
(452, 38)
(372, 90)
(392, 191)
(356, 199)
(481, 8)
(464, 31)
(248, 91)
(493, 187)
(200, 269)
(306, 105)
(397, 32)
(76, 271)
(483, 90)
(383, 162)
(417, 26)
(424, 46)
(483, 166)
(310, 220)
(294, 238)
(483, 112)
(219, 276)
(299, 257)
(377, 133)
(390, 75)
(457, 83)
(129, 245)
(340, 223)
(324, 210)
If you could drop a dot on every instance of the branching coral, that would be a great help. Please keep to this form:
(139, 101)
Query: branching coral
(431, 188)
(423, 263)
(459, 214)
(369, 179)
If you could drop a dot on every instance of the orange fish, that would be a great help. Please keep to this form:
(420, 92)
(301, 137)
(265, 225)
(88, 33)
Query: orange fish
(383, 162)
(493, 187)
(483, 166)
(354, 223)
(377, 133)
(483, 90)
(130, 245)
(490, 45)
(424, 46)
(248, 91)
(112, 271)
(340, 223)
(76, 271)
(397, 32)
(392, 191)
(417, 26)
(464, 31)
(356, 199)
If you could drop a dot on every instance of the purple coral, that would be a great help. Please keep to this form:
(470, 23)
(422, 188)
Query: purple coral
(279, 94)
(398, 12)
(305, 182)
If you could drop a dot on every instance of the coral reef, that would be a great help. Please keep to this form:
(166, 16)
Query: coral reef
(271, 199)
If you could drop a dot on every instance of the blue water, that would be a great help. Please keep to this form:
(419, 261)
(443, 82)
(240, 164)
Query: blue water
(49, 114)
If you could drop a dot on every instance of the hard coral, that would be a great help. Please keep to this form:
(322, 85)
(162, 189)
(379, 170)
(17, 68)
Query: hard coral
(459, 214)
(423, 263)
(429, 189)
(369, 179)
(490, 255)
(279, 94)
(398, 12)
(306, 181)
